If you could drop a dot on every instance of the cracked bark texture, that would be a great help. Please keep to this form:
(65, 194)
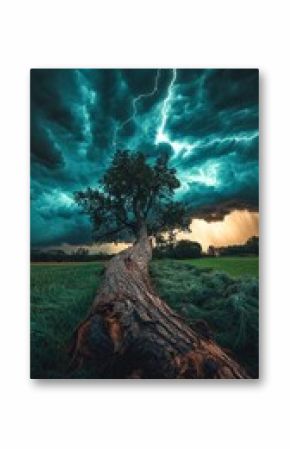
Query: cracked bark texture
(131, 333)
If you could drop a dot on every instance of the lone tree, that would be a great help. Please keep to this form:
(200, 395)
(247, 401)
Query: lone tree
(129, 331)
(134, 198)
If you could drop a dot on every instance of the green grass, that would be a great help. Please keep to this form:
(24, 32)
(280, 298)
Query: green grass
(234, 266)
(228, 304)
(61, 295)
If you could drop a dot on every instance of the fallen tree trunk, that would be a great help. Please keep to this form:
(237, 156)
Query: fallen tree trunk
(131, 333)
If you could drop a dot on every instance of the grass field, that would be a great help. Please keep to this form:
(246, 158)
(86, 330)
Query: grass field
(234, 266)
(61, 295)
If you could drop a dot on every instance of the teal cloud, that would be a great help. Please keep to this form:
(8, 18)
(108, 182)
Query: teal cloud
(205, 120)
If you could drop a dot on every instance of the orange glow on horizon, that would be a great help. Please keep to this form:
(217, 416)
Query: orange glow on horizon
(236, 228)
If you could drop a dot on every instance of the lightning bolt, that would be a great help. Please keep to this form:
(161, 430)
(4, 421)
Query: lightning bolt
(135, 108)
(161, 135)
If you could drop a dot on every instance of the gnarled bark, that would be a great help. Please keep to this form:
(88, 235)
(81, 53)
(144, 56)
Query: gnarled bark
(131, 333)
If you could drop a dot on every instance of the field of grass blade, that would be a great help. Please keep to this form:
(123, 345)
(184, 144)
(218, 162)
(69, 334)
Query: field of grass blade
(61, 295)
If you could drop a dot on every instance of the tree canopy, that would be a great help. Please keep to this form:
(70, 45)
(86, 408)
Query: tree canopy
(132, 195)
(187, 249)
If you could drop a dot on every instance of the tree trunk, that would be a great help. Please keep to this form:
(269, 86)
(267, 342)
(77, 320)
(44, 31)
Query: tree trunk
(131, 333)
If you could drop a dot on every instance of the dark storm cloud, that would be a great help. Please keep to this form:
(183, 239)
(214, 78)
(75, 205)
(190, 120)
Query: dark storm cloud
(221, 209)
(215, 102)
(205, 120)
(43, 148)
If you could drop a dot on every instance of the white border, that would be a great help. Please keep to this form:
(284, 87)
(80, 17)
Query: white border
(74, 414)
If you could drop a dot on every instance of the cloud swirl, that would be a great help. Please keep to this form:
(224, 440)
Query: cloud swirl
(206, 120)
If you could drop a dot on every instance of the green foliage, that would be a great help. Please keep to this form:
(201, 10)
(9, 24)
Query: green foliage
(61, 295)
(187, 249)
(170, 248)
(251, 247)
(133, 194)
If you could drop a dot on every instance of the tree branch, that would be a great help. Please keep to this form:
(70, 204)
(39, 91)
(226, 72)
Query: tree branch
(110, 233)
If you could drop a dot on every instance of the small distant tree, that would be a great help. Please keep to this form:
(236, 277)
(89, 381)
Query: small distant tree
(187, 249)
(82, 252)
(211, 251)
(253, 245)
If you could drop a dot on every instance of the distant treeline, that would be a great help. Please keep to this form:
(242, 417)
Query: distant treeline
(250, 248)
(182, 249)
(80, 255)
(187, 249)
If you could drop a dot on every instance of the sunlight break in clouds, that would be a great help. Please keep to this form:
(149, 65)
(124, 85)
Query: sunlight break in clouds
(234, 229)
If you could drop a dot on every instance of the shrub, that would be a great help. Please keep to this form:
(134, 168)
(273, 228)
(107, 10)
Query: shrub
(186, 249)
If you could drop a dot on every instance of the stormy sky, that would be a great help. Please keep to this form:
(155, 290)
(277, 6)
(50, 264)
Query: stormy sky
(206, 120)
